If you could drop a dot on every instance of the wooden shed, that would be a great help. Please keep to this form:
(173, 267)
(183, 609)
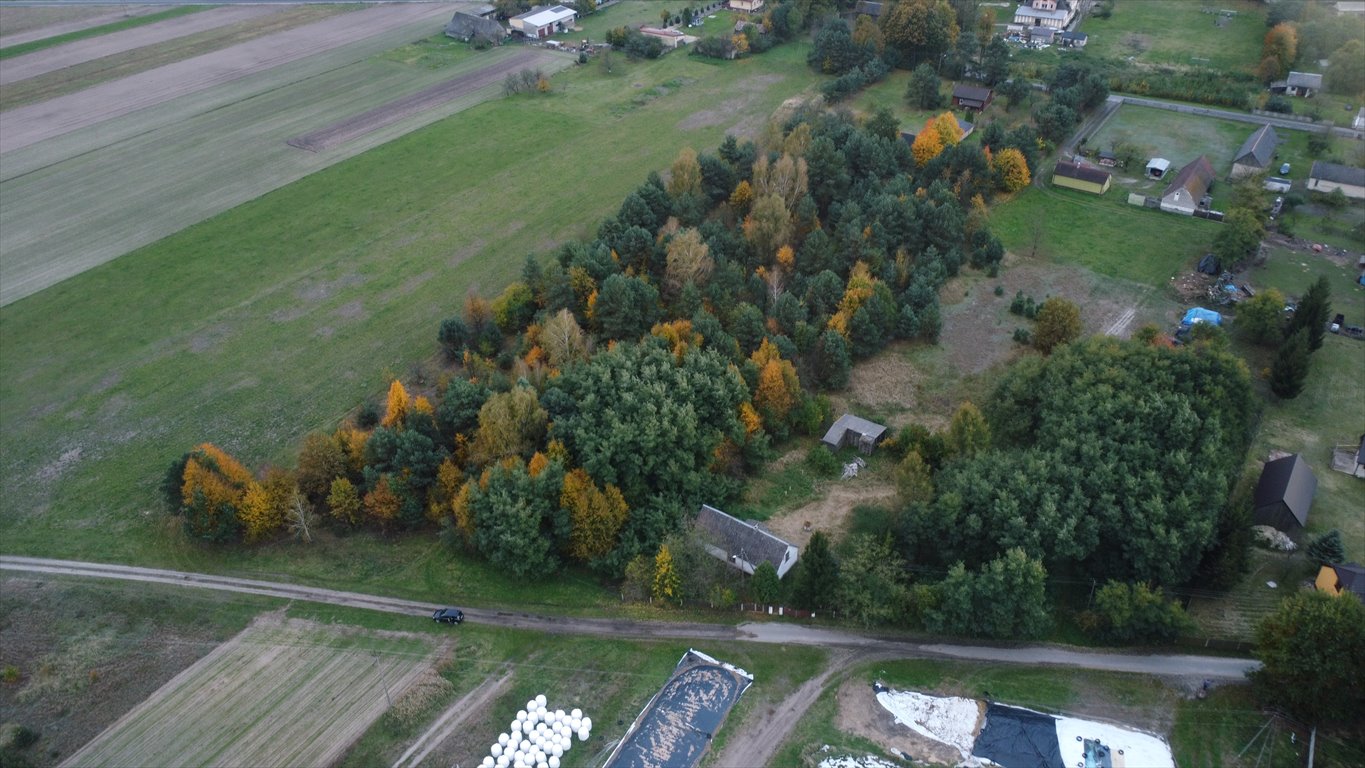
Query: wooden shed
(1082, 177)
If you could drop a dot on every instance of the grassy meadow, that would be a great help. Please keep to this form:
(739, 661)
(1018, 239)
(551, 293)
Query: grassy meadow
(281, 315)
(1178, 33)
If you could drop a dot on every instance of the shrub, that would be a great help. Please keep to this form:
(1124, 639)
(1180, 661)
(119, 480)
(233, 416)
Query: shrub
(1134, 613)
(822, 462)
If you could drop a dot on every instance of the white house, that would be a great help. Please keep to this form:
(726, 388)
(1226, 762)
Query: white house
(746, 6)
(742, 544)
(543, 21)
(1188, 187)
(1056, 14)
(1326, 177)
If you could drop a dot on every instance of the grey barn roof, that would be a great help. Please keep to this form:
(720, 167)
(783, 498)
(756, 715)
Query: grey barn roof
(743, 541)
(1081, 172)
(971, 92)
(850, 423)
(1341, 174)
(1258, 149)
(1195, 177)
(1286, 483)
(464, 26)
(1304, 80)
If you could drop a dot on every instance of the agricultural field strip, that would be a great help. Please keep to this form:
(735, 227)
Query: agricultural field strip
(394, 111)
(794, 634)
(298, 694)
(96, 207)
(473, 703)
(81, 51)
(33, 123)
(66, 27)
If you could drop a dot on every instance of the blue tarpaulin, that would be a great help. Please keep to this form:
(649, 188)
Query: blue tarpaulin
(1201, 315)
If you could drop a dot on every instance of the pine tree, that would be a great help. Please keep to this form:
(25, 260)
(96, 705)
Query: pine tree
(818, 578)
(1290, 370)
(1327, 549)
(1312, 313)
(667, 584)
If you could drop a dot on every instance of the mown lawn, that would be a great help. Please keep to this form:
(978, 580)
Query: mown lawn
(1104, 234)
(280, 316)
(1177, 137)
(1178, 32)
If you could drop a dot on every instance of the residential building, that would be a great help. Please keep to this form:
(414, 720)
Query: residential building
(1057, 14)
(1081, 177)
(1325, 177)
(1256, 154)
(1072, 39)
(543, 21)
(746, 6)
(1188, 187)
(1284, 494)
(971, 97)
(1303, 84)
(671, 38)
(744, 545)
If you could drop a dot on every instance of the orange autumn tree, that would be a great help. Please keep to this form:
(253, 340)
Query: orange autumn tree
(927, 146)
(265, 505)
(859, 289)
(213, 485)
(398, 404)
(1012, 169)
(381, 504)
(779, 388)
(679, 336)
(442, 495)
(947, 127)
(595, 516)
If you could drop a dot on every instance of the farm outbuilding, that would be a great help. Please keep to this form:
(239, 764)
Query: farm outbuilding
(971, 97)
(1339, 579)
(852, 430)
(1303, 84)
(1257, 152)
(543, 21)
(1056, 14)
(1284, 494)
(1081, 177)
(671, 38)
(1188, 188)
(1072, 39)
(1157, 167)
(743, 545)
(1326, 177)
(466, 27)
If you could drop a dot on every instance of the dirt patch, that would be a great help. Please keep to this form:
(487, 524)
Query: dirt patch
(351, 310)
(30, 124)
(81, 51)
(60, 465)
(860, 714)
(428, 98)
(750, 88)
(830, 514)
(209, 338)
(888, 383)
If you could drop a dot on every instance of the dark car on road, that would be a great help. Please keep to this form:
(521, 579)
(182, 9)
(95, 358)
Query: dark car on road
(448, 615)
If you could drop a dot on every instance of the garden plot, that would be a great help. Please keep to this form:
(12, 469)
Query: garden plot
(283, 692)
(676, 728)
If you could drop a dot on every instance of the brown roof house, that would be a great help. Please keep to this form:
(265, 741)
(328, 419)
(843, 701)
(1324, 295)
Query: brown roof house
(742, 544)
(1338, 580)
(1284, 494)
(1082, 177)
(971, 97)
(1257, 153)
(1188, 187)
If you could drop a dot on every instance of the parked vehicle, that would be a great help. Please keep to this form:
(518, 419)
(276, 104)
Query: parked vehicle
(1337, 323)
(448, 616)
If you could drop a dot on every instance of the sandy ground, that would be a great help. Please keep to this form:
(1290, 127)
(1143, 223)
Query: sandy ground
(35, 122)
(472, 703)
(427, 98)
(283, 692)
(29, 25)
(831, 513)
(860, 714)
(81, 51)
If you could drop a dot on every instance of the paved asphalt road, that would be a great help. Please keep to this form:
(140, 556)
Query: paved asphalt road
(756, 632)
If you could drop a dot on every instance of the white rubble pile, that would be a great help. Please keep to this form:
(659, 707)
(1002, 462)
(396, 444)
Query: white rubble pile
(853, 761)
(1273, 538)
(948, 719)
(538, 738)
(1134, 747)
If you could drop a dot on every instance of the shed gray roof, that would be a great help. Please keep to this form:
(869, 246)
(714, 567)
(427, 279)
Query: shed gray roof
(1304, 80)
(850, 423)
(464, 26)
(971, 92)
(1258, 149)
(1352, 578)
(1288, 480)
(1341, 174)
(1195, 177)
(1069, 35)
(744, 540)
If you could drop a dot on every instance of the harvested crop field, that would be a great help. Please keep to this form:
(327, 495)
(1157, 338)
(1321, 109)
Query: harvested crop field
(387, 114)
(80, 51)
(31, 124)
(24, 24)
(283, 692)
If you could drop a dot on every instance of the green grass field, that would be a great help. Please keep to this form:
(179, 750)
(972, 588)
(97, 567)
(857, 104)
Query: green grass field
(1178, 33)
(1104, 234)
(283, 314)
(1177, 137)
(103, 29)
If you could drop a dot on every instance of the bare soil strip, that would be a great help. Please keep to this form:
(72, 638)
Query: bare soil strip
(33, 123)
(472, 703)
(283, 692)
(90, 16)
(81, 51)
(387, 114)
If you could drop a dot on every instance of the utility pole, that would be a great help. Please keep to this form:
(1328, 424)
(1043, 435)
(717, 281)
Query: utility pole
(1312, 742)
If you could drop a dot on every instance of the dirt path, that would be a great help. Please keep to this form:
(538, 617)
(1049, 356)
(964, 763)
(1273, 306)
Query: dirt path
(753, 632)
(387, 114)
(92, 18)
(471, 703)
(760, 738)
(831, 513)
(81, 51)
(30, 124)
